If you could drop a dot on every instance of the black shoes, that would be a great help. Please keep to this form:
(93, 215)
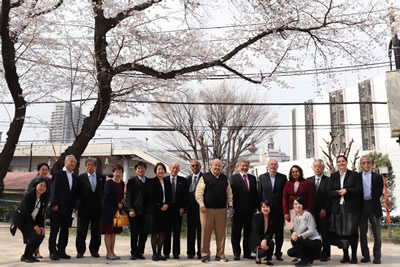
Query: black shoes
(155, 257)
(28, 259)
(166, 256)
(190, 256)
(95, 255)
(205, 259)
(163, 258)
(377, 261)
(64, 256)
(345, 259)
(279, 258)
(141, 257)
(176, 257)
(79, 255)
(353, 260)
(54, 257)
(323, 259)
(236, 257)
(302, 263)
(133, 257)
(365, 260)
(221, 259)
(249, 257)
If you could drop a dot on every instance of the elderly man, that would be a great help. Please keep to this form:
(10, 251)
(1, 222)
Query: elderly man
(90, 208)
(193, 212)
(371, 210)
(244, 190)
(320, 183)
(63, 190)
(213, 193)
(176, 209)
(270, 187)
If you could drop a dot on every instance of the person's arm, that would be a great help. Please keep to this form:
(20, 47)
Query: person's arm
(331, 187)
(229, 195)
(285, 199)
(199, 195)
(307, 223)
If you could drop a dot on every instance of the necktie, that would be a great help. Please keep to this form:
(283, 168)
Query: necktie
(173, 190)
(317, 185)
(92, 181)
(245, 182)
(194, 184)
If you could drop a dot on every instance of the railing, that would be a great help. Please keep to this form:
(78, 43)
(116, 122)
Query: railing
(7, 207)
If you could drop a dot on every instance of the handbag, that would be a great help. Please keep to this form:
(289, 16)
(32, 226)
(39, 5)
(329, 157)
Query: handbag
(120, 218)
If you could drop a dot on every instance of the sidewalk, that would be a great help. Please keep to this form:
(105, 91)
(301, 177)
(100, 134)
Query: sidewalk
(11, 249)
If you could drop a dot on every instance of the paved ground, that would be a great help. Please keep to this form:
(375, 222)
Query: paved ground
(11, 249)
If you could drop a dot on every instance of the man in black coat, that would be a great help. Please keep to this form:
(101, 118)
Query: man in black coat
(245, 202)
(176, 210)
(90, 208)
(320, 184)
(63, 190)
(270, 187)
(136, 201)
(371, 210)
(193, 212)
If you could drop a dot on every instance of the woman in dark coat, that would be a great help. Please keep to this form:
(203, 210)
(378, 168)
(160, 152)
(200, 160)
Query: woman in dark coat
(261, 241)
(113, 200)
(157, 220)
(345, 191)
(29, 218)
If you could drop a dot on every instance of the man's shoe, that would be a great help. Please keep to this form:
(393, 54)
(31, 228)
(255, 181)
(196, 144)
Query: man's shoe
(353, 260)
(176, 257)
(323, 259)
(190, 256)
(64, 256)
(27, 259)
(221, 259)
(133, 257)
(162, 258)
(79, 255)
(236, 257)
(141, 257)
(205, 259)
(377, 261)
(54, 257)
(302, 263)
(199, 257)
(279, 258)
(345, 259)
(165, 256)
(249, 257)
(365, 260)
(95, 255)
(155, 257)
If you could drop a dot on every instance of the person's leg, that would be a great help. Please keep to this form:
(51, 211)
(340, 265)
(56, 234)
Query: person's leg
(54, 228)
(142, 233)
(160, 243)
(177, 226)
(191, 232)
(64, 233)
(81, 233)
(279, 234)
(364, 232)
(154, 243)
(167, 239)
(198, 230)
(107, 242)
(236, 235)
(95, 235)
(134, 236)
(207, 225)
(220, 233)
(246, 235)
(375, 226)
(112, 245)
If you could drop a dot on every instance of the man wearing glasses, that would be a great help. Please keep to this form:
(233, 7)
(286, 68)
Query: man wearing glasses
(193, 213)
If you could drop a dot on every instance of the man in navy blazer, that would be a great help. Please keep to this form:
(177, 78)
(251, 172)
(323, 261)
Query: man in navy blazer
(319, 183)
(270, 187)
(90, 208)
(179, 195)
(371, 209)
(245, 203)
(63, 190)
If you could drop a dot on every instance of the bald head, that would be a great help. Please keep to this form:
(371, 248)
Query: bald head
(216, 167)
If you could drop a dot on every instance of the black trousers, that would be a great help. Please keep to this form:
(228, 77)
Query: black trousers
(95, 234)
(31, 239)
(193, 230)
(367, 214)
(279, 221)
(305, 249)
(175, 225)
(138, 234)
(59, 223)
(323, 230)
(239, 222)
(266, 253)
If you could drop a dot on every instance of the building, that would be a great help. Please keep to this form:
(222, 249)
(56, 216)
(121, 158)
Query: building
(66, 121)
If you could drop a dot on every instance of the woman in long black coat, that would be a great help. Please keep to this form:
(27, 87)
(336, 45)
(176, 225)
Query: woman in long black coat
(29, 218)
(157, 219)
(345, 191)
(262, 231)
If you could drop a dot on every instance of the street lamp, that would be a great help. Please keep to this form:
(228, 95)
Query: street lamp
(384, 172)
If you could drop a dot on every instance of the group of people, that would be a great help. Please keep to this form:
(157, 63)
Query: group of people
(319, 211)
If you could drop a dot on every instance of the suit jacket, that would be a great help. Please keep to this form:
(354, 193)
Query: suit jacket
(90, 203)
(137, 195)
(265, 191)
(181, 191)
(22, 214)
(321, 199)
(191, 195)
(257, 230)
(353, 184)
(245, 202)
(61, 194)
(156, 194)
(304, 190)
(376, 192)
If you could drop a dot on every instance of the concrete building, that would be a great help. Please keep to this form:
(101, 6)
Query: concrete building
(66, 120)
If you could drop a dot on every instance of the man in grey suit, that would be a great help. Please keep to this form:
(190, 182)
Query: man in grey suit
(371, 209)
(319, 184)
(270, 187)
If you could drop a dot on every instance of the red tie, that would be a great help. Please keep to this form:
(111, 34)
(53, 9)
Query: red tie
(245, 182)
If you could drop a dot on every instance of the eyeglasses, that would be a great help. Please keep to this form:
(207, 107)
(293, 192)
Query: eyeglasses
(196, 165)
(366, 162)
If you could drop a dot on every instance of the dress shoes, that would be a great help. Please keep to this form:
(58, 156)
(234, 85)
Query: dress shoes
(140, 256)
(27, 259)
(249, 257)
(205, 259)
(166, 256)
(95, 255)
(112, 258)
(353, 260)
(221, 259)
(64, 256)
(279, 258)
(302, 263)
(154, 257)
(345, 259)
(162, 258)
(323, 259)
(236, 257)
(377, 261)
(365, 260)
(133, 257)
(199, 257)
(269, 263)
(190, 256)
(176, 257)
(79, 255)
(54, 257)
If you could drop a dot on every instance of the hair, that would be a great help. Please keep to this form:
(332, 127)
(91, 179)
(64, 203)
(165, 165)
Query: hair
(140, 164)
(40, 165)
(272, 159)
(320, 161)
(244, 161)
(341, 156)
(266, 203)
(159, 164)
(38, 181)
(299, 200)
(91, 160)
(195, 160)
(365, 157)
(117, 167)
(69, 156)
(301, 178)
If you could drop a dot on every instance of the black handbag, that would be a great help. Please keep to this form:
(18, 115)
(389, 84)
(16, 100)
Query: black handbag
(17, 218)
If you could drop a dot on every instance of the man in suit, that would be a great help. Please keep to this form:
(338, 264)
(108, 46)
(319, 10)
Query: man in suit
(244, 190)
(270, 187)
(193, 212)
(214, 194)
(137, 200)
(90, 208)
(63, 190)
(371, 210)
(320, 184)
(179, 195)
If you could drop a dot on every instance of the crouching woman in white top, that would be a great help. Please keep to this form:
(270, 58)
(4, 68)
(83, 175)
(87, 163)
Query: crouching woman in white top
(305, 238)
